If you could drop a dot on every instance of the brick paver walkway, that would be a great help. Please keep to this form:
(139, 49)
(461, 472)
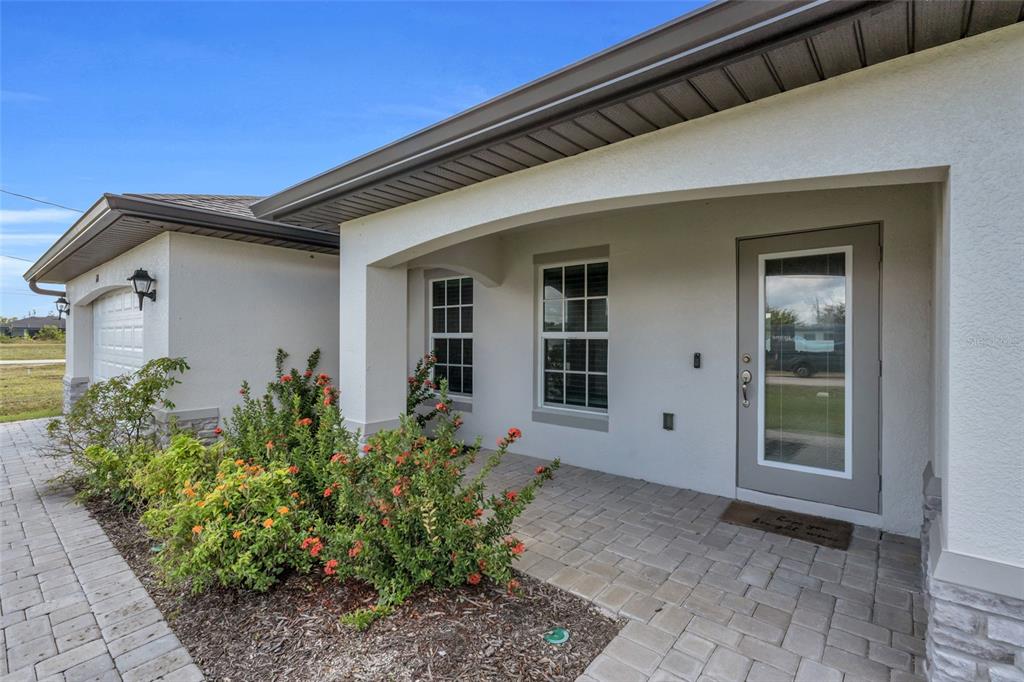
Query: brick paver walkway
(70, 607)
(712, 601)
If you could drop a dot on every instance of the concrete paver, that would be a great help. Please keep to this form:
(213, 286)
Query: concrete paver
(70, 607)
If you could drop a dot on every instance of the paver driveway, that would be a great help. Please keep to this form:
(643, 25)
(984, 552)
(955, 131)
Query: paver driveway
(713, 601)
(71, 607)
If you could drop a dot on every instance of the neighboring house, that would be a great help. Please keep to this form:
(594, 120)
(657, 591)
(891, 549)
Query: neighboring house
(30, 326)
(593, 254)
(230, 289)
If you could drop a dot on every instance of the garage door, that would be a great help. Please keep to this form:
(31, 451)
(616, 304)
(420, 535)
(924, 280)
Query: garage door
(117, 334)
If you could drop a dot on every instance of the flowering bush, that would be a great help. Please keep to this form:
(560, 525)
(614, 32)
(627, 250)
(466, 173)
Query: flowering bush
(267, 422)
(422, 391)
(186, 459)
(107, 474)
(242, 528)
(407, 516)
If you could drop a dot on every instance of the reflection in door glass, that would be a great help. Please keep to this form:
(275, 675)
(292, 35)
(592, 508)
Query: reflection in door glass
(805, 360)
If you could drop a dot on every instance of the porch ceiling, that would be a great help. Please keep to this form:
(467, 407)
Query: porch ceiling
(719, 57)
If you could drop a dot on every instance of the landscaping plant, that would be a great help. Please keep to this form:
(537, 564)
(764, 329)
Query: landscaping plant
(116, 416)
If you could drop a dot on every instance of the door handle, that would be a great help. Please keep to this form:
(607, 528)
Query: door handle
(745, 377)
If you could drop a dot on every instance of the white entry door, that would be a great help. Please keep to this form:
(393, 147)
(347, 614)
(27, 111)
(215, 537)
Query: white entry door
(117, 335)
(808, 371)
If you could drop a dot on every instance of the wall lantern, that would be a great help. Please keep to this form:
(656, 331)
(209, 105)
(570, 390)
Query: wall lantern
(143, 285)
(63, 307)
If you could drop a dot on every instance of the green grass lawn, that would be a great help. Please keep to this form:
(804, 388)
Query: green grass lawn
(30, 391)
(799, 408)
(32, 351)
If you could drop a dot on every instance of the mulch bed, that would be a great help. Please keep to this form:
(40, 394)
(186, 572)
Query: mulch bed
(292, 632)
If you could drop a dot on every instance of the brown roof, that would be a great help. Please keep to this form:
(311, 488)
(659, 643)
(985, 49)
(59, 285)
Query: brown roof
(232, 204)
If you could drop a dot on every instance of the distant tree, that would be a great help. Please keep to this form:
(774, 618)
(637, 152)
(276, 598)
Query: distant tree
(50, 333)
(781, 317)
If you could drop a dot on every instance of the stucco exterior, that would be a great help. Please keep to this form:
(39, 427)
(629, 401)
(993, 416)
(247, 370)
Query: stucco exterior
(673, 293)
(948, 115)
(225, 306)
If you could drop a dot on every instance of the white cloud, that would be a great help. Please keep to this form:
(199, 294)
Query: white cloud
(30, 216)
(23, 238)
(16, 299)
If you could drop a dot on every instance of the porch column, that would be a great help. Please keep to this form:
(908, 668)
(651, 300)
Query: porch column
(373, 339)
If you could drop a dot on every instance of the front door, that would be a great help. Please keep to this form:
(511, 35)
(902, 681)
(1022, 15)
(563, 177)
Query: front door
(808, 371)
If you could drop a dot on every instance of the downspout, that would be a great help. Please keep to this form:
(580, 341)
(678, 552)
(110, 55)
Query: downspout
(45, 292)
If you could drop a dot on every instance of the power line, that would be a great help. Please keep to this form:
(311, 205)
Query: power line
(42, 201)
(27, 260)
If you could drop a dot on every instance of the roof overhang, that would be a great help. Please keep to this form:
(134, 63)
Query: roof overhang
(720, 56)
(117, 223)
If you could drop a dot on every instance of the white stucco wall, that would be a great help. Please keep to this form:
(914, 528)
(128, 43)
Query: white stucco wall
(673, 293)
(232, 305)
(225, 306)
(949, 112)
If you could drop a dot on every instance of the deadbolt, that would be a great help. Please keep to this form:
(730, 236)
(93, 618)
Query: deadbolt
(746, 358)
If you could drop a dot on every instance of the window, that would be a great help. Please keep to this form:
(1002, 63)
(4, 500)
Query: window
(574, 336)
(451, 332)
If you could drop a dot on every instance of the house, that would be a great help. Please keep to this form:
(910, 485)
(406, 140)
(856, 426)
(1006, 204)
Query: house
(229, 290)
(594, 256)
(30, 326)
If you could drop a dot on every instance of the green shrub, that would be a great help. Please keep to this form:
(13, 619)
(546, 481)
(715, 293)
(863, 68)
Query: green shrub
(406, 515)
(422, 391)
(50, 333)
(115, 415)
(242, 528)
(108, 474)
(266, 422)
(185, 459)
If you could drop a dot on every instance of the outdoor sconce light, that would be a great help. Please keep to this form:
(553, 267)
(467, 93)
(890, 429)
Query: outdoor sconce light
(143, 285)
(63, 307)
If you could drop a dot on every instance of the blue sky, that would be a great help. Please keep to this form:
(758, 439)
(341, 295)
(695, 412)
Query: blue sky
(248, 98)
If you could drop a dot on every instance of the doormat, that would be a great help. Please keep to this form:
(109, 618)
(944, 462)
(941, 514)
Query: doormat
(815, 529)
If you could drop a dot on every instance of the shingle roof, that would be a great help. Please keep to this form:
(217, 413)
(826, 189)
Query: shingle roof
(232, 204)
(37, 322)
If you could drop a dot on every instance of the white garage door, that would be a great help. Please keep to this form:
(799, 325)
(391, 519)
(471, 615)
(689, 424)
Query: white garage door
(117, 334)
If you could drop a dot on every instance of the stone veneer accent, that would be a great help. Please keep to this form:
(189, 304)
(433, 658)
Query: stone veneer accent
(74, 388)
(972, 635)
(200, 422)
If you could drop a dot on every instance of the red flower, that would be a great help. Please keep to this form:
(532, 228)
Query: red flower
(501, 442)
(514, 434)
(367, 448)
(321, 378)
(478, 512)
(386, 522)
(457, 422)
(339, 457)
(518, 548)
(305, 421)
(327, 491)
(441, 407)
(330, 566)
(242, 391)
(400, 460)
(513, 585)
(454, 451)
(286, 378)
(511, 495)
(327, 401)
(293, 470)
(217, 431)
(356, 549)
(481, 563)
(397, 490)
(540, 470)
(308, 373)
(473, 579)
(270, 445)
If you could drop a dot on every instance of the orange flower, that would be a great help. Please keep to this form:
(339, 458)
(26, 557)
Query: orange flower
(295, 494)
(518, 548)
(286, 378)
(397, 490)
(293, 470)
(305, 421)
(239, 462)
(473, 579)
(511, 495)
(513, 585)
(514, 434)
(270, 445)
(267, 523)
(330, 566)
(441, 407)
(339, 457)
(540, 470)
(197, 529)
(201, 503)
(217, 431)
(478, 512)
(386, 522)
(237, 534)
(328, 491)
(283, 510)
(356, 549)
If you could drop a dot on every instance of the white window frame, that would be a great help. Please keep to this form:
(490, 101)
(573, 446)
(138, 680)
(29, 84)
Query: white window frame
(432, 335)
(763, 258)
(542, 335)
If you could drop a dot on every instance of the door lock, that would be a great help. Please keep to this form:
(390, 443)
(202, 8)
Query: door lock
(745, 377)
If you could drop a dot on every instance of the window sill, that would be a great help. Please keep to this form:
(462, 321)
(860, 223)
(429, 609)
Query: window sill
(581, 420)
(461, 404)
